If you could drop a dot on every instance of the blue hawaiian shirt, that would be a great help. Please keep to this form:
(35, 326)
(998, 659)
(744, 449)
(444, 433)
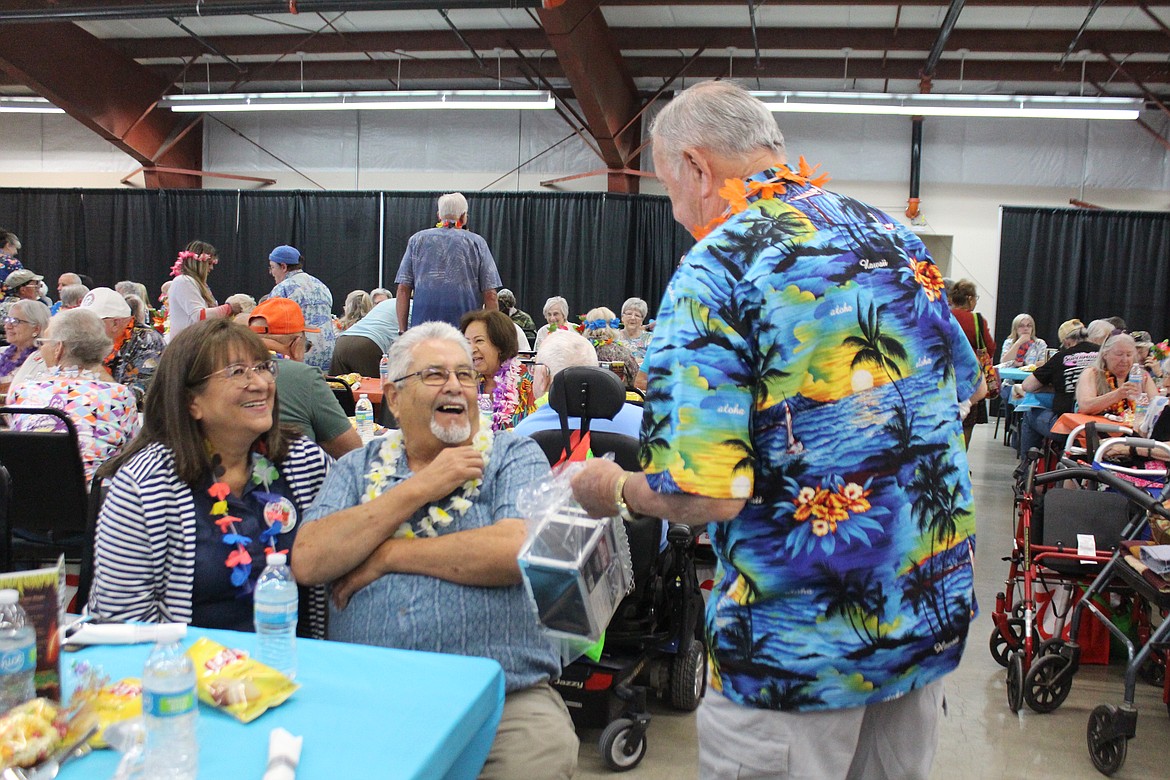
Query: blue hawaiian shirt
(316, 302)
(805, 360)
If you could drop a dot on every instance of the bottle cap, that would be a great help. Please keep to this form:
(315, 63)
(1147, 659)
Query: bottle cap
(364, 397)
(276, 559)
(9, 596)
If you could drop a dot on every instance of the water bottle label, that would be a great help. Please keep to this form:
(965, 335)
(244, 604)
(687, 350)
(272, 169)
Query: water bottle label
(168, 705)
(18, 660)
(276, 614)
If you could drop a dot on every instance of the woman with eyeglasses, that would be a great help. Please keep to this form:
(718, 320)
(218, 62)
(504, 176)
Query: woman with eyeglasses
(211, 483)
(103, 411)
(24, 322)
(505, 391)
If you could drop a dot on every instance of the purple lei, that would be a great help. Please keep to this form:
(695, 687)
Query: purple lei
(506, 394)
(8, 363)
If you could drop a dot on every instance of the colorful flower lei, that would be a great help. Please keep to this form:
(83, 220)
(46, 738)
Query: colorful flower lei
(239, 560)
(737, 191)
(506, 398)
(387, 466)
(177, 268)
(1161, 350)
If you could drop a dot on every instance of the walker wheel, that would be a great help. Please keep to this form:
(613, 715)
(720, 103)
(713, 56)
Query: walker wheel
(1046, 686)
(1015, 680)
(1001, 645)
(617, 752)
(1107, 751)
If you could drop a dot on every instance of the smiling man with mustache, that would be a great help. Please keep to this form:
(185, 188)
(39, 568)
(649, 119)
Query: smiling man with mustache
(418, 532)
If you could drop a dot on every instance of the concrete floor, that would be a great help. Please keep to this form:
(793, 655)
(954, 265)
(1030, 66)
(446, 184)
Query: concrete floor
(981, 737)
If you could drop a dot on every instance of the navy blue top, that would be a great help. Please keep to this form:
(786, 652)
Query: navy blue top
(215, 602)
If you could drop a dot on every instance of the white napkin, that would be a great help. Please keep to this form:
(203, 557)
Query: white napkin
(284, 754)
(126, 633)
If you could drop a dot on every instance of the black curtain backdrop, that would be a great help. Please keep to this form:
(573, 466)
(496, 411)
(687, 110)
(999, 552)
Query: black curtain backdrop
(593, 248)
(1057, 264)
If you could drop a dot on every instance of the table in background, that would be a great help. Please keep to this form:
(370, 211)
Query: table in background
(371, 387)
(363, 711)
(1014, 374)
(1065, 424)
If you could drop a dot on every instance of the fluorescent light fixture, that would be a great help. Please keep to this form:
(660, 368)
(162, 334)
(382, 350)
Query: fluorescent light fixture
(370, 101)
(993, 106)
(28, 105)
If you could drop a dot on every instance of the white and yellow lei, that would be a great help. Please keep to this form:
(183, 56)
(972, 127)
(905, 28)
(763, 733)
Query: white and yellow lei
(392, 455)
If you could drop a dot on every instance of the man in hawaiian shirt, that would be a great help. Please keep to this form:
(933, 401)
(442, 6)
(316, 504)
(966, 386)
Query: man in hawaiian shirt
(805, 385)
(448, 269)
(20, 285)
(418, 532)
(314, 298)
(137, 348)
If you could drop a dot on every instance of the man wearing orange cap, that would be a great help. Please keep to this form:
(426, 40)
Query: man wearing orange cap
(304, 397)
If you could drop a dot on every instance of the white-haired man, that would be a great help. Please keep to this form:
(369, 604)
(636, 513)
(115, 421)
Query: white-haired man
(449, 270)
(418, 532)
(805, 359)
(559, 351)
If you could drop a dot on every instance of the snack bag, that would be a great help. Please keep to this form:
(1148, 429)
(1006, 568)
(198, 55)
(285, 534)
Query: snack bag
(114, 703)
(231, 681)
(29, 733)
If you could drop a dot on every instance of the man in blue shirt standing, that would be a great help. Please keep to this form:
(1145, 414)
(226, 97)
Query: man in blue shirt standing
(449, 269)
(314, 298)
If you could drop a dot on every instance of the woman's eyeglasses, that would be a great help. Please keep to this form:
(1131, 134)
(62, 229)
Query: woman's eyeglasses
(42, 343)
(436, 377)
(16, 321)
(241, 374)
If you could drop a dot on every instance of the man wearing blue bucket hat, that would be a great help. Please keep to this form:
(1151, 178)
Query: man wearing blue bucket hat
(314, 298)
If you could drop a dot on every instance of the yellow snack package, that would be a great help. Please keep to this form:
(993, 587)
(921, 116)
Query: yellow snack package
(232, 681)
(114, 703)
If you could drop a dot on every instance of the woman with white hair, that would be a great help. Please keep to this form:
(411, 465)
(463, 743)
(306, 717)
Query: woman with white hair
(633, 335)
(1104, 387)
(104, 412)
(379, 294)
(25, 321)
(556, 314)
(601, 328)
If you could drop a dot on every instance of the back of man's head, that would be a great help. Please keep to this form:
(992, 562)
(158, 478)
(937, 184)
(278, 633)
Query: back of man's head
(452, 206)
(717, 115)
(564, 348)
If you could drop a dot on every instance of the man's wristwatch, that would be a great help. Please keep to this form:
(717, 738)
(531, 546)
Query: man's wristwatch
(620, 501)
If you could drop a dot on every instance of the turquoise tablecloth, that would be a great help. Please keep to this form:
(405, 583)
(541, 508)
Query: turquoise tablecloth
(365, 712)
(1014, 374)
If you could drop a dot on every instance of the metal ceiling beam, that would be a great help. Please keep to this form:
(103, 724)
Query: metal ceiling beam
(872, 3)
(87, 10)
(1001, 41)
(592, 62)
(111, 95)
(463, 71)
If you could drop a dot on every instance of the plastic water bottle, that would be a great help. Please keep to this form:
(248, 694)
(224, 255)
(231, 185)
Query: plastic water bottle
(169, 713)
(384, 368)
(363, 413)
(1141, 408)
(18, 652)
(1137, 375)
(275, 601)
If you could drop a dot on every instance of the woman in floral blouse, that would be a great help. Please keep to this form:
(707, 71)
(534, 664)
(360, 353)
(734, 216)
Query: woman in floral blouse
(104, 412)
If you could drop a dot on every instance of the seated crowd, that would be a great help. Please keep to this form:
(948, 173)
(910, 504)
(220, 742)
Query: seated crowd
(1091, 373)
(218, 440)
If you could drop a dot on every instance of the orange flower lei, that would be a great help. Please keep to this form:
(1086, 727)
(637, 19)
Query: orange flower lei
(737, 191)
